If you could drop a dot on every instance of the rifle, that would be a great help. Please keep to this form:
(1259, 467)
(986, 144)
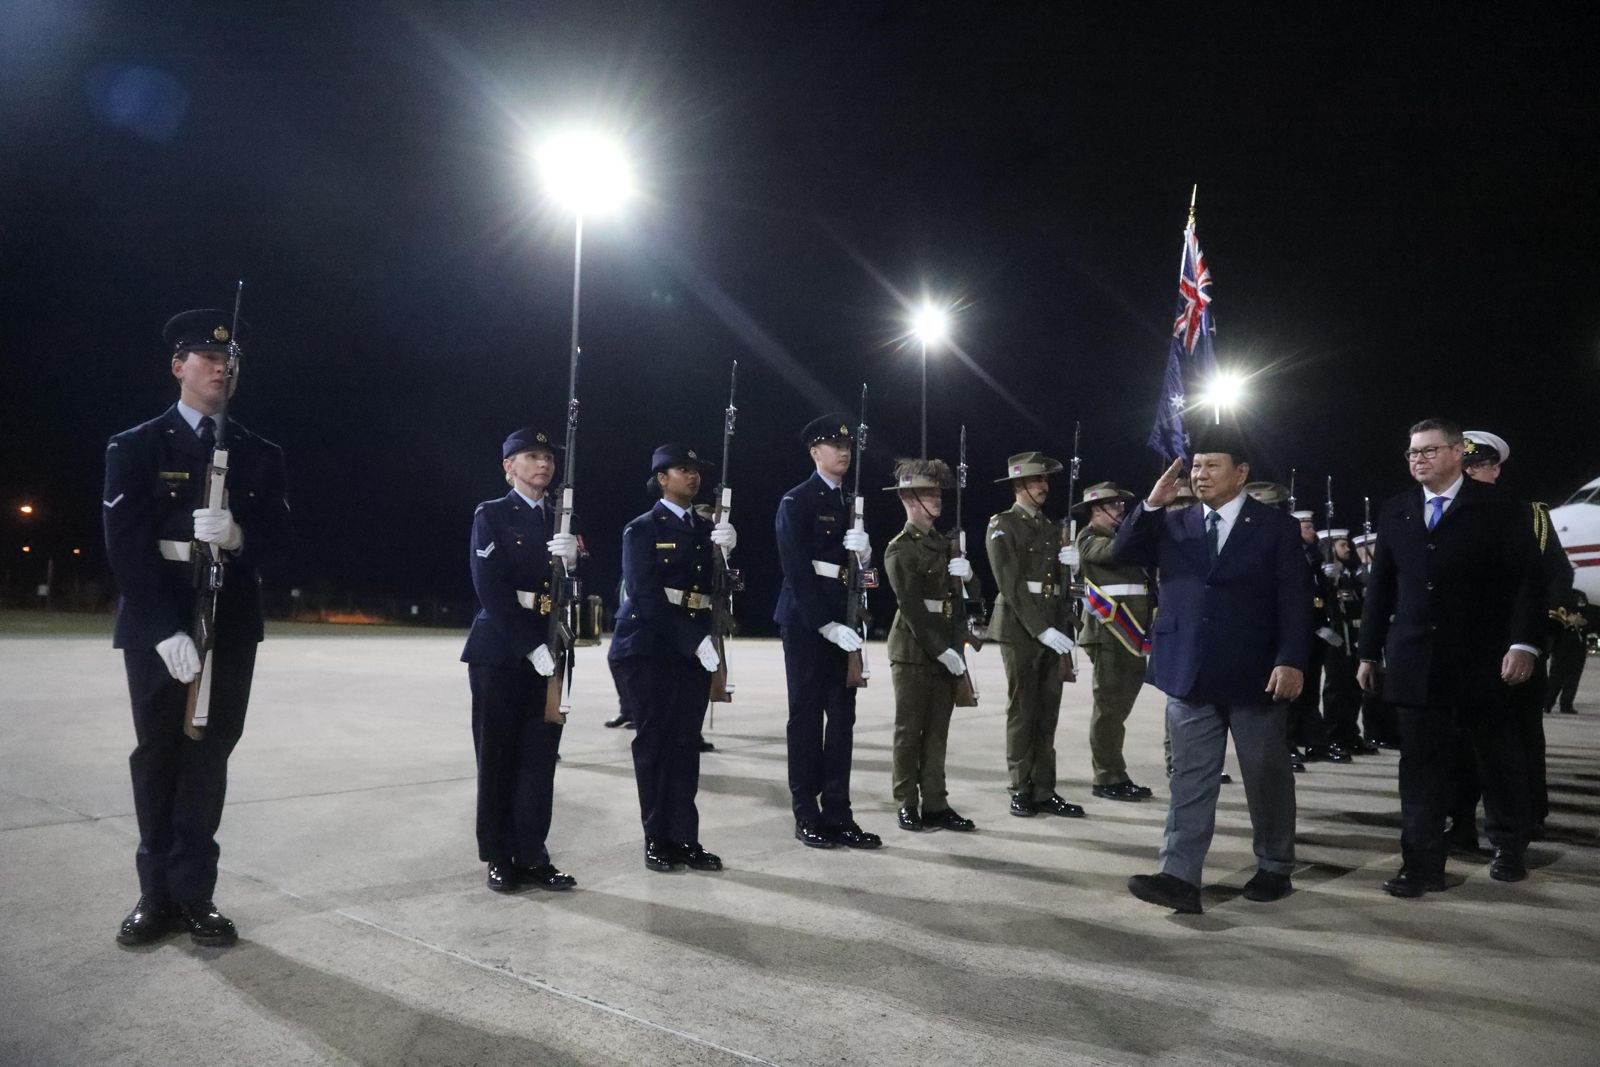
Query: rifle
(726, 581)
(1366, 515)
(856, 615)
(209, 561)
(966, 691)
(1327, 506)
(1291, 489)
(1074, 591)
(563, 626)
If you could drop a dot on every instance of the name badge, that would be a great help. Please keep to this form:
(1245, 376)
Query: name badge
(666, 544)
(173, 476)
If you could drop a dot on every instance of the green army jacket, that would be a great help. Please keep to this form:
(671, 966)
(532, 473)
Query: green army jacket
(1022, 550)
(1116, 581)
(918, 566)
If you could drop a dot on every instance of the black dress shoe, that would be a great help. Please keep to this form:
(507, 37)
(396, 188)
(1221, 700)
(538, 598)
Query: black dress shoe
(1168, 891)
(1227, 779)
(697, 857)
(1267, 886)
(150, 920)
(1120, 791)
(707, 746)
(1383, 743)
(1362, 748)
(1410, 883)
(545, 876)
(620, 720)
(909, 819)
(1054, 805)
(205, 924)
(948, 820)
(1022, 807)
(1296, 764)
(501, 877)
(658, 855)
(810, 835)
(1339, 754)
(1330, 753)
(852, 836)
(1507, 866)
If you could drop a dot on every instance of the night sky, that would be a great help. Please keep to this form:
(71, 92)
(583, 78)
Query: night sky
(1399, 211)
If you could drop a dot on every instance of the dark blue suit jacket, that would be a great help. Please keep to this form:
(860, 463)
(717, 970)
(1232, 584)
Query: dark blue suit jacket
(811, 523)
(508, 556)
(155, 479)
(1219, 630)
(661, 551)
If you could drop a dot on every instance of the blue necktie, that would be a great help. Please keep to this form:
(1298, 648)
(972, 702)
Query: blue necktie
(1213, 520)
(208, 432)
(1437, 513)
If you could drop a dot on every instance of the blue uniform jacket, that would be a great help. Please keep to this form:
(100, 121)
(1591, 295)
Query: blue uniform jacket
(661, 551)
(155, 479)
(811, 524)
(508, 557)
(1220, 629)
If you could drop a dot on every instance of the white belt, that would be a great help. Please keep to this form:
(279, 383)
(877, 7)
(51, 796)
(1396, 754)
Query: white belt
(1038, 587)
(935, 606)
(692, 601)
(1130, 589)
(827, 570)
(177, 551)
(527, 599)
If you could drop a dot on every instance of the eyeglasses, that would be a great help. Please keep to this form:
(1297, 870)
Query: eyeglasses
(1429, 452)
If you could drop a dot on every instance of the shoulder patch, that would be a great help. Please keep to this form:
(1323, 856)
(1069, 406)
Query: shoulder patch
(483, 553)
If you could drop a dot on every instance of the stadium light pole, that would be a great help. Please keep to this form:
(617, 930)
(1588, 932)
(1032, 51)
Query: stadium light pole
(929, 325)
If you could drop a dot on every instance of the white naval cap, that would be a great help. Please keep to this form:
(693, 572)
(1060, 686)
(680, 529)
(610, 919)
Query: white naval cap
(1480, 440)
(1303, 516)
(1333, 535)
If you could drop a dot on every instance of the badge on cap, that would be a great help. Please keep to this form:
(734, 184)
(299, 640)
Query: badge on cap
(844, 431)
(220, 333)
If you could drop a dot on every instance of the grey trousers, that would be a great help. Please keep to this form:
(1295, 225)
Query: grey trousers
(1199, 741)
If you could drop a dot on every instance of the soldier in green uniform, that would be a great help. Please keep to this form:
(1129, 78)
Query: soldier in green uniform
(1029, 620)
(1116, 617)
(926, 572)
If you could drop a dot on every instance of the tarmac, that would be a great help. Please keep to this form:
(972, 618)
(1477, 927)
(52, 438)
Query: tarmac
(367, 936)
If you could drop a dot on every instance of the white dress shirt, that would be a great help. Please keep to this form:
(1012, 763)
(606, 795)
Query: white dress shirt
(1230, 518)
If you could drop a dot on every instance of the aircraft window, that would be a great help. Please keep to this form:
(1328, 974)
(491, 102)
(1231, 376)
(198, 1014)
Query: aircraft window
(1584, 496)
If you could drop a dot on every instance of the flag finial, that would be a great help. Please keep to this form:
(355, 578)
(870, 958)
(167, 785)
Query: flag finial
(1193, 194)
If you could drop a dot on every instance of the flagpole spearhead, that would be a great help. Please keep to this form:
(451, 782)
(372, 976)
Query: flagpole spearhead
(1194, 194)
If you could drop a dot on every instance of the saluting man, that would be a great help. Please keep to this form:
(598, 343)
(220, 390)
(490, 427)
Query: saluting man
(921, 561)
(1117, 616)
(815, 542)
(663, 657)
(157, 529)
(514, 547)
(1029, 619)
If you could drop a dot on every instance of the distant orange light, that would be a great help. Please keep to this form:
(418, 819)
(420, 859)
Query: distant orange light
(77, 552)
(26, 509)
(25, 548)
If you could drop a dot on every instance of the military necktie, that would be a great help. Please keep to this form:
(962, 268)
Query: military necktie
(208, 432)
(1437, 513)
(1213, 520)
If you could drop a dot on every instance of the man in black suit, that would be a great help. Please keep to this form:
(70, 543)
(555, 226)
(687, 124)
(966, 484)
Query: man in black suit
(1454, 616)
(1230, 645)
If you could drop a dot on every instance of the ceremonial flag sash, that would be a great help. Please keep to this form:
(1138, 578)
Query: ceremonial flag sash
(1116, 619)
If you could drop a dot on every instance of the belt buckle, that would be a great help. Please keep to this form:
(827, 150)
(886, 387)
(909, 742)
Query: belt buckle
(546, 605)
(946, 609)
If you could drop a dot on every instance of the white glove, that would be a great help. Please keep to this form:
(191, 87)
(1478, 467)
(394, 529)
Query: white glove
(564, 546)
(1055, 640)
(856, 541)
(841, 635)
(1332, 570)
(1327, 634)
(542, 661)
(951, 661)
(706, 653)
(215, 526)
(180, 656)
(724, 536)
(1069, 556)
(960, 567)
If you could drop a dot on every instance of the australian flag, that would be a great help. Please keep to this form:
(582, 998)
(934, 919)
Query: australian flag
(1189, 353)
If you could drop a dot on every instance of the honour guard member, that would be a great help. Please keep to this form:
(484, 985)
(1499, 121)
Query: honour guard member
(663, 656)
(1029, 620)
(1309, 729)
(814, 544)
(1378, 730)
(158, 531)
(1341, 695)
(925, 666)
(514, 545)
(1117, 608)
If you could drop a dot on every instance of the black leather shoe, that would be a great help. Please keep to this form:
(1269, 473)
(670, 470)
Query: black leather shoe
(1296, 764)
(620, 720)
(1410, 883)
(1384, 744)
(502, 878)
(1267, 886)
(948, 820)
(1227, 779)
(707, 746)
(150, 920)
(1054, 805)
(545, 876)
(1507, 866)
(658, 855)
(1339, 754)
(909, 819)
(1120, 791)
(1022, 807)
(1362, 748)
(205, 924)
(852, 836)
(697, 857)
(1330, 753)
(810, 835)
(1166, 890)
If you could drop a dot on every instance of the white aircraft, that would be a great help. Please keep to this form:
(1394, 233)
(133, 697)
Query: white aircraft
(1577, 523)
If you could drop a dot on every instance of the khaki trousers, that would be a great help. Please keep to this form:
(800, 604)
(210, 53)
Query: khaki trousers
(1033, 705)
(924, 697)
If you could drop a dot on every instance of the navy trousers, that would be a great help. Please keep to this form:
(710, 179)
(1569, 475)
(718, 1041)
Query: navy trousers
(822, 719)
(516, 752)
(668, 700)
(1429, 740)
